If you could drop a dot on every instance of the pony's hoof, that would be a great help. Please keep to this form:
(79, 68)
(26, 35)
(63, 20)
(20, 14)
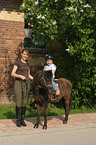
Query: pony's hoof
(36, 126)
(44, 126)
(65, 122)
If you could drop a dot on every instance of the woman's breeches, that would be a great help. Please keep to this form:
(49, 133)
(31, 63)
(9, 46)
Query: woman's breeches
(21, 92)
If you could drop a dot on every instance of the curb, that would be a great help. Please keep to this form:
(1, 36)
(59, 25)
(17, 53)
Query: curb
(28, 132)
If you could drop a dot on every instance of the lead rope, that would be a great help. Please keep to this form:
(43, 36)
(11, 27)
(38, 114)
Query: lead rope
(27, 86)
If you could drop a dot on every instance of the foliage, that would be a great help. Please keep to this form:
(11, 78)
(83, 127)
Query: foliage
(72, 23)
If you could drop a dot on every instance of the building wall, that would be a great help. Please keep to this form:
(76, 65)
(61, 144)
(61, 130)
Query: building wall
(11, 39)
(11, 42)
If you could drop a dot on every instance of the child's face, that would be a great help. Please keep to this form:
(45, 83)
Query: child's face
(49, 61)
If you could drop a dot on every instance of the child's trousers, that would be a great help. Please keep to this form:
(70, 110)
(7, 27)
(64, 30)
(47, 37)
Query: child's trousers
(54, 85)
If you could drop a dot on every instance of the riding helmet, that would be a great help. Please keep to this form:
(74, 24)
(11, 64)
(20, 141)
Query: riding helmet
(48, 56)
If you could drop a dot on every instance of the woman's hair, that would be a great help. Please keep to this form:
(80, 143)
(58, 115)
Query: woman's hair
(25, 51)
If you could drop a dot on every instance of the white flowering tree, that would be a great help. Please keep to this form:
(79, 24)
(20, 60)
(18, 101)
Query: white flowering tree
(40, 15)
(73, 24)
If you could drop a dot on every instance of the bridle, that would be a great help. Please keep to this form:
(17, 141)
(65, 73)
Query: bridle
(45, 84)
(49, 87)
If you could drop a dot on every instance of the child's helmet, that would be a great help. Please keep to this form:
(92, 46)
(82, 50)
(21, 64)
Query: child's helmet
(48, 56)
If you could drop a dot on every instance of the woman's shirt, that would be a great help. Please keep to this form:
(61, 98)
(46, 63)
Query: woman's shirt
(50, 67)
(23, 68)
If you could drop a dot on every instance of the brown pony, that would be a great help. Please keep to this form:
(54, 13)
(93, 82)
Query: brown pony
(43, 93)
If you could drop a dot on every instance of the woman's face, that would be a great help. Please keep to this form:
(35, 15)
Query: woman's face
(24, 55)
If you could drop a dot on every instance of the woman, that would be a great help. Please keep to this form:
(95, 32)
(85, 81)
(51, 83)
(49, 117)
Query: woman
(21, 73)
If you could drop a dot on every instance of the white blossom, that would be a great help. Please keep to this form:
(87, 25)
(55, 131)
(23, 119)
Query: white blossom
(36, 3)
(71, 8)
(43, 17)
(87, 6)
(28, 9)
(81, 2)
(81, 10)
(38, 17)
(54, 22)
(76, 9)
(68, 49)
(29, 13)
(23, 5)
(72, 1)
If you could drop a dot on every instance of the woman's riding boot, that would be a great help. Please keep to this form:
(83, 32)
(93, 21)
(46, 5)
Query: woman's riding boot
(23, 110)
(18, 116)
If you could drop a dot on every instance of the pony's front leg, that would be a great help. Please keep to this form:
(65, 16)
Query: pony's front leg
(38, 115)
(45, 116)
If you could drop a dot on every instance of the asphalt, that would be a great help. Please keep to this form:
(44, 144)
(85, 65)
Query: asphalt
(80, 125)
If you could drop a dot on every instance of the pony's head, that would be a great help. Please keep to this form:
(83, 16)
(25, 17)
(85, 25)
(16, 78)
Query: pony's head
(43, 82)
(46, 79)
(46, 82)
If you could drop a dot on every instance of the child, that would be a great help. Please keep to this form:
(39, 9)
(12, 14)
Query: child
(50, 66)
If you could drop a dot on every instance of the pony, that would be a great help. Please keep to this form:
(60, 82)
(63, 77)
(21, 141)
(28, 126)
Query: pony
(43, 94)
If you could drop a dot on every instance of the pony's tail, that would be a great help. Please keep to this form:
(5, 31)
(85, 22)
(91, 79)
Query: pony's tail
(70, 101)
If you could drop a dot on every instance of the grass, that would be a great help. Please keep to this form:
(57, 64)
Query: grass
(8, 111)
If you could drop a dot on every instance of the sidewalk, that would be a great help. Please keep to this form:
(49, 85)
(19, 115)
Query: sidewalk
(8, 126)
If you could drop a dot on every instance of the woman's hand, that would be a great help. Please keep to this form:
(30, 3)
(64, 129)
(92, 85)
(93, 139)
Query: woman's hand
(30, 77)
(23, 77)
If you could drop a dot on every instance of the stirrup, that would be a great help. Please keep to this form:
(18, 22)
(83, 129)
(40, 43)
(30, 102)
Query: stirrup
(55, 97)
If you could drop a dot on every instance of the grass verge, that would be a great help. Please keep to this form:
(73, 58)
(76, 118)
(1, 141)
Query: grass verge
(8, 112)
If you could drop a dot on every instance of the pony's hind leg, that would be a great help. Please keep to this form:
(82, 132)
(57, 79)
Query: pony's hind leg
(38, 115)
(65, 102)
(66, 111)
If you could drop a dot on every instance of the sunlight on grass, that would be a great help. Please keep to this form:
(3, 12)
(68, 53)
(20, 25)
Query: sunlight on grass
(8, 112)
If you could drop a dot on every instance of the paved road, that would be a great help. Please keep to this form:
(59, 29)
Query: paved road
(80, 130)
(58, 136)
